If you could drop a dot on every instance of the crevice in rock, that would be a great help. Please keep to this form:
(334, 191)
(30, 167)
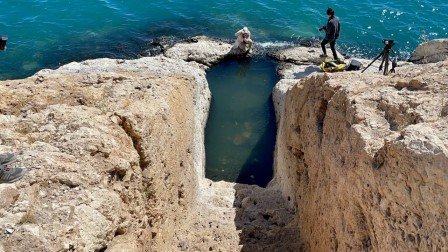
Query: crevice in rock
(398, 117)
(379, 159)
(103, 249)
(367, 244)
(297, 153)
(117, 174)
(320, 117)
(136, 140)
(444, 112)
(119, 231)
(412, 85)
(363, 228)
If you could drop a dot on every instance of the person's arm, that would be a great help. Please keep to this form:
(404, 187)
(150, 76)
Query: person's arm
(238, 33)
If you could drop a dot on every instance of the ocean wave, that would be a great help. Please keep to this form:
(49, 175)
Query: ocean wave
(272, 44)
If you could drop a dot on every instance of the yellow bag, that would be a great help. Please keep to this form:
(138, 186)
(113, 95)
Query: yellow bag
(332, 66)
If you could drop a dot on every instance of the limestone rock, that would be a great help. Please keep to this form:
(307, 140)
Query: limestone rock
(125, 243)
(8, 195)
(430, 52)
(292, 71)
(366, 156)
(236, 217)
(301, 55)
(110, 149)
(116, 159)
(298, 62)
(200, 49)
(279, 96)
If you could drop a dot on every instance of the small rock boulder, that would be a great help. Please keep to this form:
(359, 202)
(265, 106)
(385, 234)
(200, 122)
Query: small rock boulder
(8, 195)
(200, 49)
(302, 55)
(430, 52)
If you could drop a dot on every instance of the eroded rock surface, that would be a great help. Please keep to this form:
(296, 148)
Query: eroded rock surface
(430, 52)
(115, 155)
(200, 49)
(115, 159)
(365, 159)
(110, 149)
(301, 55)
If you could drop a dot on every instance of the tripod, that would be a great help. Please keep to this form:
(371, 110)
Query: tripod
(385, 60)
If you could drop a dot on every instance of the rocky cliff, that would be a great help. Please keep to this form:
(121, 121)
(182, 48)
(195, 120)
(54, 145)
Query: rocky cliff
(364, 158)
(115, 159)
(111, 150)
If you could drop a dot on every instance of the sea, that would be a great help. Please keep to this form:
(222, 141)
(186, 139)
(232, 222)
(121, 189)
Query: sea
(50, 33)
(241, 129)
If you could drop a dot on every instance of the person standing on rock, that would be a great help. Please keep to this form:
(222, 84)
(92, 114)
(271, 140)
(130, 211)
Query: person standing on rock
(332, 30)
(9, 174)
(243, 40)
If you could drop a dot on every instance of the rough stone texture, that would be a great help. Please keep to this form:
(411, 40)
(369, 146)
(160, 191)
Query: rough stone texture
(110, 148)
(115, 155)
(125, 243)
(292, 71)
(237, 217)
(299, 62)
(8, 195)
(279, 96)
(364, 158)
(302, 55)
(200, 49)
(430, 52)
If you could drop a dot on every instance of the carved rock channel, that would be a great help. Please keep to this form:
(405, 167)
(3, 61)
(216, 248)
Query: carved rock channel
(115, 153)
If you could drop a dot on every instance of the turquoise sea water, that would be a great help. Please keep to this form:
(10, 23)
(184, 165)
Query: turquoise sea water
(48, 33)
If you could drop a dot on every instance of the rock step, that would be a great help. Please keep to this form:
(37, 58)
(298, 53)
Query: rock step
(292, 247)
(237, 217)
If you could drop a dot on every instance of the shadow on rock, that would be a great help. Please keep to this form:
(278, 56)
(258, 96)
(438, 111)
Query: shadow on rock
(264, 220)
(307, 71)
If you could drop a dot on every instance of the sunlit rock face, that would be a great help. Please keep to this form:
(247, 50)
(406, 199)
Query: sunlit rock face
(115, 157)
(364, 158)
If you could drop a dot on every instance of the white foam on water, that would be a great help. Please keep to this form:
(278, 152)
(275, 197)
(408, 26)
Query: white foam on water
(275, 44)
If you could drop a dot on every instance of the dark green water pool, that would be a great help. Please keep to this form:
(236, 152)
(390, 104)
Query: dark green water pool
(240, 132)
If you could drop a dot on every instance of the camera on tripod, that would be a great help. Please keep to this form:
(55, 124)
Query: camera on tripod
(3, 40)
(384, 55)
(389, 43)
